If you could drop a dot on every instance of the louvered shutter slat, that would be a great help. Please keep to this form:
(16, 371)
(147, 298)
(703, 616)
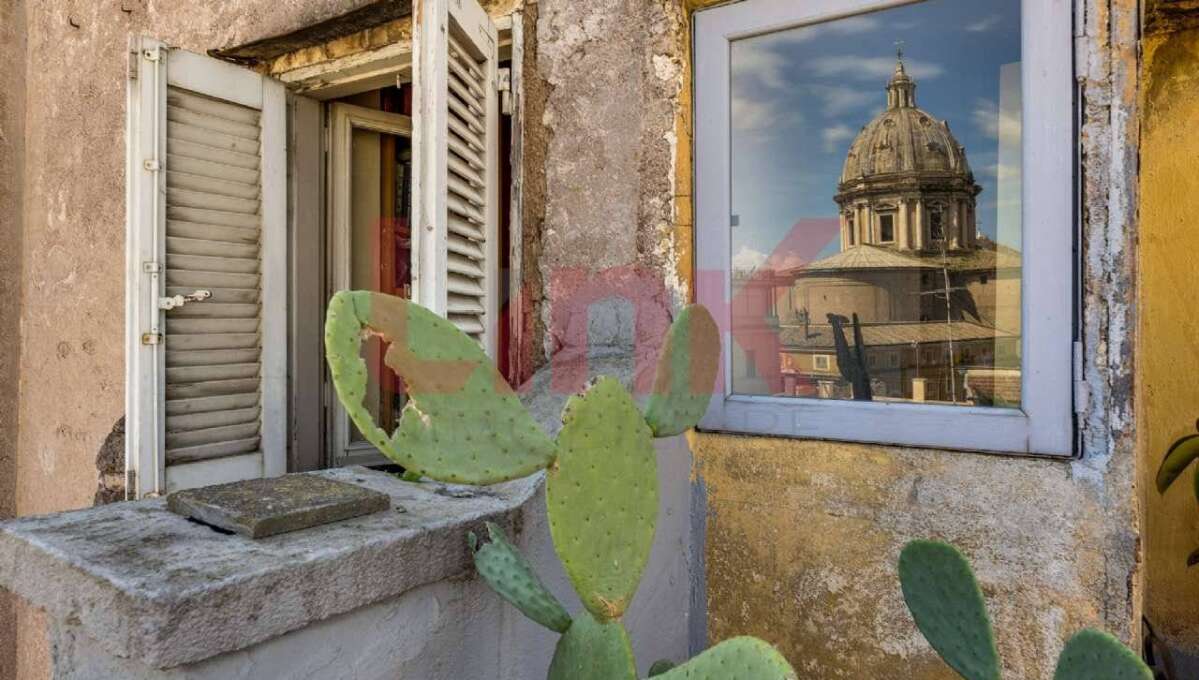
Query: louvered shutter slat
(212, 185)
(212, 232)
(205, 341)
(196, 326)
(224, 449)
(201, 278)
(211, 154)
(195, 166)
(212, 388)
(209, 248)
(230, 402)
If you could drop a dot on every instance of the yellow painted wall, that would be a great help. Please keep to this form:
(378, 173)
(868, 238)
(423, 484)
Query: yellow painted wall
(1168, 365)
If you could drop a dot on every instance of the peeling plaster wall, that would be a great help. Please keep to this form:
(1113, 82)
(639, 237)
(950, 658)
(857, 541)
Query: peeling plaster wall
(803, 537)
(1168, 392)
(12, 145)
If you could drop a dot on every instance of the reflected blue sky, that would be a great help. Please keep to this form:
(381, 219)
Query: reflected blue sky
(800, 96)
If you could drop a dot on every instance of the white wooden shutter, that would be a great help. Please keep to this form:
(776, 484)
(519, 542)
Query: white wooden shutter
(205, 381)
(456, 188)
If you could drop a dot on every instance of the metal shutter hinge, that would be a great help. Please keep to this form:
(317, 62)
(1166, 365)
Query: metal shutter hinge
(1082, 390)
(152, 53)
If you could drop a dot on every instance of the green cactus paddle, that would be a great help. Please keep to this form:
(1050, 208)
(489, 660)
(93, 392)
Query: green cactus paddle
(462, 423)
(510, 574)
(1094, 655)
(686, 373)
(947, 604)
(602, 496)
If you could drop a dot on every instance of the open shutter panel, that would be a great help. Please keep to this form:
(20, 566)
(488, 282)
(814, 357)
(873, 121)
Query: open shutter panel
(456, 198)
(207, 222)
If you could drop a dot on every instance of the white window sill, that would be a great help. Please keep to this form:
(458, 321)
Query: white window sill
(150, 585)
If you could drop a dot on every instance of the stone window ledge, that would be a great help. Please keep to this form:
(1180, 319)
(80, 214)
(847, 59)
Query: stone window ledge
(149, 585)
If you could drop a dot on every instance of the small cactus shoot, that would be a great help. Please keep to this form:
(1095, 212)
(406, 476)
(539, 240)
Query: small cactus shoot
(463, 423)
(686, 373)
(510, 574)
(602, 496)
(947, 604)
(1094, 655)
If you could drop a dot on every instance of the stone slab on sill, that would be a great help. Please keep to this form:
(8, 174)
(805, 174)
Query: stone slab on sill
(150, 585)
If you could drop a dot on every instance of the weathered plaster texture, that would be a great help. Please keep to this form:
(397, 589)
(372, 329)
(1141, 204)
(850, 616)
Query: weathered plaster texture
(1168, 393)
(803, 536)
(12, 179)
(612, 72)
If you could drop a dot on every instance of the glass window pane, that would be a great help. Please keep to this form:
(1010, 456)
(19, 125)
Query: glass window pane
(876, 198)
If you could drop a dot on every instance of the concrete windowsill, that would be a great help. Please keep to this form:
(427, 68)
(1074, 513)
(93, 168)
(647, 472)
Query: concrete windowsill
(150, 585)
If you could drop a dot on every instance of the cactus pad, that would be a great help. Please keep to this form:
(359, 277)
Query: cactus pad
(591, 650)
(462, 423)
(686, 373)
(742, 657)
(1093, 655)
(947, 604)
(1180, 455)
(511, 575)
(602, 496)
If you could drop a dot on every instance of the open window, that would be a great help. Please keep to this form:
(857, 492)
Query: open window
(252, 200)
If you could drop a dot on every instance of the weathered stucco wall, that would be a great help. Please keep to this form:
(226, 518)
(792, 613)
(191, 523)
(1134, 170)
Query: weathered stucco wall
(12, 144)
(803, 537)
(1168, 392)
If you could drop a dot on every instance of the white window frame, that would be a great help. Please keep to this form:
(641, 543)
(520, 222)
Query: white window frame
(822, 363)
(345, 118)
(1044, 424)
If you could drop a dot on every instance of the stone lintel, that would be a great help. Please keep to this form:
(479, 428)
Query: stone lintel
(148, 584)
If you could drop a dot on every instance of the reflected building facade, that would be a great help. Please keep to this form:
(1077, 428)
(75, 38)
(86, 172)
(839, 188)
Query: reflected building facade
(938, 302)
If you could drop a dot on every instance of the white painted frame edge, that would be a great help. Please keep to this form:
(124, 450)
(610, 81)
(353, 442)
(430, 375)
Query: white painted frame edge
(344, 118)
(1044, 426)
(145, 137)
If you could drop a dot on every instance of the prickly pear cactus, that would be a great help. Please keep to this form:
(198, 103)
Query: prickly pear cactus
(686, 373)
(591, 650)
(943, 597)
(947, 604)
(741, 657)
(462, 423)
(510, 574)
(602, 496)
(1094, 655)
